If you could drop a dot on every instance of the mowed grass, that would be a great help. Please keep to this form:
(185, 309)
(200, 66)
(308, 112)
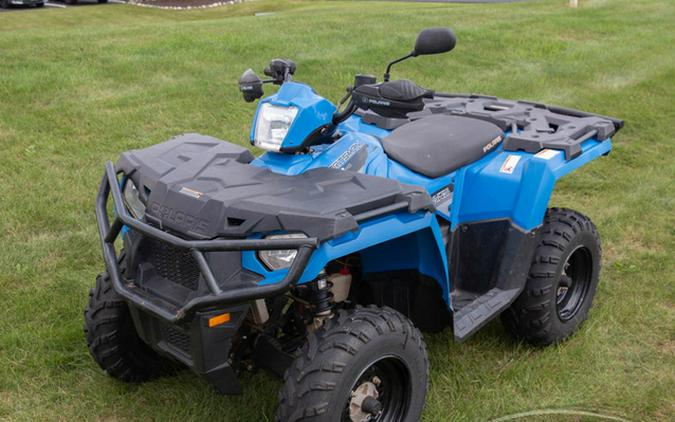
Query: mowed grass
(79, 86)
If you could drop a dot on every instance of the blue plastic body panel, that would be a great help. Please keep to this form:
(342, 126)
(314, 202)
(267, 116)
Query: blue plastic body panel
(314, 111)
(427, 257)
(487, 192)
(486, 189)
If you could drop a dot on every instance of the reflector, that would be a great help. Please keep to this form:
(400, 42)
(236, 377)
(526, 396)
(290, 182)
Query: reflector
(219, 319)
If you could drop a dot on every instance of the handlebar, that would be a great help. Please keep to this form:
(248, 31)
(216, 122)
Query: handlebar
(341, 116)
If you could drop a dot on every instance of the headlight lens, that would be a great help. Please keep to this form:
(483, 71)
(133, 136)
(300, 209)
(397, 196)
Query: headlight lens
(272, 126)
(280, 259)
(132, 199)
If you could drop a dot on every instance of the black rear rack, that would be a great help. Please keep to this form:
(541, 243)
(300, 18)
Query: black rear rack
(109, 232)
(533, 126)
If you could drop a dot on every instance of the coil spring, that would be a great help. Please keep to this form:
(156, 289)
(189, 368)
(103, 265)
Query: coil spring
(322, 297)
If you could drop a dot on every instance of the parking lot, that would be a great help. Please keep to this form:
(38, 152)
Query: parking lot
(59, 5)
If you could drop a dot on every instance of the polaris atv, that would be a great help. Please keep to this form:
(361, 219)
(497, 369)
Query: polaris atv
(399, 210)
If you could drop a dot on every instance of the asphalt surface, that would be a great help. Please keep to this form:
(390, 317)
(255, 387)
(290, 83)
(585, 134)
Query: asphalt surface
(59, 5)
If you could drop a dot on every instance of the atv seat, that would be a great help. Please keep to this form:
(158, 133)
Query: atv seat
(436, 145)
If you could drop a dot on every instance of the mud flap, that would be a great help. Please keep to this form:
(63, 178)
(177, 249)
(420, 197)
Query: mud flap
(490, 261)
(202, 348)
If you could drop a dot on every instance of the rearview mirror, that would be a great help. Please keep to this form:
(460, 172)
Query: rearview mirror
(429, 41)
(250, 86)
(434, 41)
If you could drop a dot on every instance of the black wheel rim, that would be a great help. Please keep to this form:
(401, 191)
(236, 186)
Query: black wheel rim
(394, 389)
(574, 283)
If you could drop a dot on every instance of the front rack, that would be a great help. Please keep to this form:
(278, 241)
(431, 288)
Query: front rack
(109, 232)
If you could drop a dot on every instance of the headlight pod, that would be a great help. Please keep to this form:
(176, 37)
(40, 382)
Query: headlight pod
(272, 126)
(132, 199)
(280, 259)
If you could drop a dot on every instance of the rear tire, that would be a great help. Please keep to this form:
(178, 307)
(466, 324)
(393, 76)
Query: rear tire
(4, 4)
(562, 280)
(112, 339)
(364, 360)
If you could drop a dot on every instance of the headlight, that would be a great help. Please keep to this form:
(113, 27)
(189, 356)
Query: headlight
(132, 200)
(272, 126)
(280, 259)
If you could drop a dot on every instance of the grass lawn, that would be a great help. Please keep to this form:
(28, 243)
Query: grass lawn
(80, 85)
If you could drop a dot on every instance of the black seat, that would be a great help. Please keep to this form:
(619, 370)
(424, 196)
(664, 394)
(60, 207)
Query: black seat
(436, 145)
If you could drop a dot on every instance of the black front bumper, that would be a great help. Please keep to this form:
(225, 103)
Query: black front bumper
(217, 298)
(182, 330)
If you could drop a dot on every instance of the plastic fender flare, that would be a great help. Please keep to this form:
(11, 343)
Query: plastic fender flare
(371, 233)
(486, 191)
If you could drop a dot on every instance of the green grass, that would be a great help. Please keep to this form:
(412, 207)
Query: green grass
(80, 85)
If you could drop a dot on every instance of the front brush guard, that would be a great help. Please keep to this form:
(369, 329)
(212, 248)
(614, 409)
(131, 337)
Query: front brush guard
(109, 232)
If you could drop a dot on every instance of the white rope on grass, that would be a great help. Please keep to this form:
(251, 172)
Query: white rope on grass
(560, 412)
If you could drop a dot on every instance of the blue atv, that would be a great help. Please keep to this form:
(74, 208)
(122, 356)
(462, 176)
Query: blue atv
(398, 210)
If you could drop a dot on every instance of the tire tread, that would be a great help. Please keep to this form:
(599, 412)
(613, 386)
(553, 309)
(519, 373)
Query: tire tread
(111, 336)
(529, 317)
(321, 362)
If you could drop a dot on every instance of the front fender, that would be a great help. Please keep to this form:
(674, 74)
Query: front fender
(429, 258)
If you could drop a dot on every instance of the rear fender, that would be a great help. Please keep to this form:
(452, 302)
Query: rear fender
(393, 242)
(515, 185)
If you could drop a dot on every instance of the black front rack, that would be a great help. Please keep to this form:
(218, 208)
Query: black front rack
(109, 232)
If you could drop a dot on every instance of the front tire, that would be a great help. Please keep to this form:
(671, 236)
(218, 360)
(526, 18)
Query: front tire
(112, 339)
(562, 280)
(364, 364)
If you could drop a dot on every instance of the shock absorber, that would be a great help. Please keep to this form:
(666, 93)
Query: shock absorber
(321, 299)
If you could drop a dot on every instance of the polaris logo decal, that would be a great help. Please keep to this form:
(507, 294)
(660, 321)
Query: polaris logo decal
(379, 102)
(493, 143)
(178, 218)
(352, 159)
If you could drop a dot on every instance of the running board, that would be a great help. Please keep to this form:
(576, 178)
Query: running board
(481, 310)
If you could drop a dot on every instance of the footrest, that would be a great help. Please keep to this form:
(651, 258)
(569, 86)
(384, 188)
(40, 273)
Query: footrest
(480, 310)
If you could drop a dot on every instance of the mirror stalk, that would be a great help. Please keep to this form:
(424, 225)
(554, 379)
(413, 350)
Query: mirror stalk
(387, 73)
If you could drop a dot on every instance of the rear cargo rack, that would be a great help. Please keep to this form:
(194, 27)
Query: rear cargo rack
(109, 232)
(533, 126)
